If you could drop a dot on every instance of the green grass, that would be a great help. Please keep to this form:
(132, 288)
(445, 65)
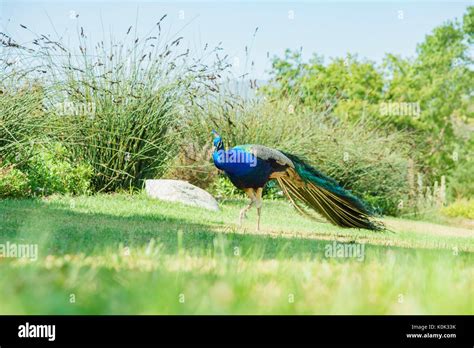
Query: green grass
(185, 260)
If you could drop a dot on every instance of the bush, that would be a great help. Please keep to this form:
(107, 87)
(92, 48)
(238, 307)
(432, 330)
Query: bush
(116, 105)
(460, 208)
(50, 170)
(461, 182)
(222, 187)
(125, 145)
(13, 183)
(192, 165)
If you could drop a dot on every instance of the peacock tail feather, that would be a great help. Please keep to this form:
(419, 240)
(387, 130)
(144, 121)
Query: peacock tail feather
(306, 187)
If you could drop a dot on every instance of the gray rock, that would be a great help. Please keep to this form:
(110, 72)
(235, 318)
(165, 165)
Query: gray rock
(180, 191)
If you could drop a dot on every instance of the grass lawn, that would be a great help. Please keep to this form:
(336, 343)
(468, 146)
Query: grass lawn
(128, 254)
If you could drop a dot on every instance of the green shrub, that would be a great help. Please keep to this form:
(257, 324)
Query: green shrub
(460, 208)
(117, 105)
(192, 164)
(125, 146)
(50, 170)
(13, 183)
(461, 181)
(222, 187)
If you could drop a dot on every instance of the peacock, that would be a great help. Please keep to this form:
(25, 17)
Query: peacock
(250, 167)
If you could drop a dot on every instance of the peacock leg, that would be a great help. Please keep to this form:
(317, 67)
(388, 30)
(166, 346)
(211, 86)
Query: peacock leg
(251, 193)
(258, 204)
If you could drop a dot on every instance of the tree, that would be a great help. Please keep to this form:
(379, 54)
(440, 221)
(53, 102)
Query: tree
(434, 90)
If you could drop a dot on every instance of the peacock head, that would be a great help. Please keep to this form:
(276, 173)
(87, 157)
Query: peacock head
(218, 143)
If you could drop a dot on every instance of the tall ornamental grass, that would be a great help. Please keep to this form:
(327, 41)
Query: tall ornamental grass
(116, 105)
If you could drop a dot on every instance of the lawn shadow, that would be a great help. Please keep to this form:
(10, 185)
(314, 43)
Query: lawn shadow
(59, 230)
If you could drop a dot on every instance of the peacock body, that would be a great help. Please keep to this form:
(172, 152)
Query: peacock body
(243, 167)
(250, 167)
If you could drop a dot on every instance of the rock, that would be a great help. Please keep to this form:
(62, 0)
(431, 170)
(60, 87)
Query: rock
(180, 191)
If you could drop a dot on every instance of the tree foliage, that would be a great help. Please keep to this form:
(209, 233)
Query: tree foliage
(430, 95)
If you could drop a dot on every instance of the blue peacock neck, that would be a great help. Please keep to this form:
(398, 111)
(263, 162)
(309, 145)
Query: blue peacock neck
(219, 148)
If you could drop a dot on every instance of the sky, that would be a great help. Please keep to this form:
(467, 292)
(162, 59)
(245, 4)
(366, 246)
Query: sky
(329, 28)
